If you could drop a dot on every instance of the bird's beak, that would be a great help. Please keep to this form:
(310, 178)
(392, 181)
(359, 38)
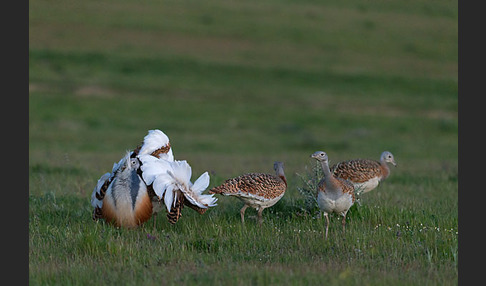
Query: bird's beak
(394, 164)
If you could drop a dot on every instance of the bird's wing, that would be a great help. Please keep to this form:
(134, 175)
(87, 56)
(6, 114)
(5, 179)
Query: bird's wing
(104, 182)
(155, 173)
(156, 143)
(98, 195)
(252, 185)
(347, 187)
(167, 177)
(358, 170)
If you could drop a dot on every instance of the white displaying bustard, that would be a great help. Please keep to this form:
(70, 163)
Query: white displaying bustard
(334, 195)
(256, 190)
(128, 197)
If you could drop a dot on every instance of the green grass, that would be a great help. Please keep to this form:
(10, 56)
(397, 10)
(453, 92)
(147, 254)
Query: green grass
(237, 86)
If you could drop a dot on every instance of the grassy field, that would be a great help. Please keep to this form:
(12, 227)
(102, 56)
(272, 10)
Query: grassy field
(237, 85)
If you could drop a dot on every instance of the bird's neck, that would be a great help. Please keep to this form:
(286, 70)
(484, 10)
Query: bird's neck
(325, 169)
(328, 177)
(385, 169)
(280, 173)
(284, 179)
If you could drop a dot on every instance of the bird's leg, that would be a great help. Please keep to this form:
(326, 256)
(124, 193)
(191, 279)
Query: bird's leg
(242, 213)
(327, 222)
(155, 216)
(260, 216)
(344, 223)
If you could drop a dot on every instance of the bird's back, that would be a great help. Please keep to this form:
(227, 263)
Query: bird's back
(261, 185)
(358, 170)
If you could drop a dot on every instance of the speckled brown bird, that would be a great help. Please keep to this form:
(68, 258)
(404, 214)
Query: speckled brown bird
(256, 190)
(365, 174)
(334, 195)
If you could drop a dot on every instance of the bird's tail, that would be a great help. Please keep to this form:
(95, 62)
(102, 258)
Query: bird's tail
(228, 187)
(217, 190)
(169, 177)
(181, 173)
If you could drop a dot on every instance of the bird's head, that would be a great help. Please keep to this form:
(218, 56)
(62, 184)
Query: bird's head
(320, 156)
(388, 158)
(133, 164)
(129, 163)
(278, 166)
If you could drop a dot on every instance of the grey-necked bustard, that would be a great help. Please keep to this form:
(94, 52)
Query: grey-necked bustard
(334, 195)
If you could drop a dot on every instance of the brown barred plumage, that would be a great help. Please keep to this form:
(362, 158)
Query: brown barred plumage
(358, 170)
(97, 214)
(365, 174)
(258, 184)
(257, 190)
(163, 150)
(103, 189)
(196, 208)
(176, 210)
(151, 193)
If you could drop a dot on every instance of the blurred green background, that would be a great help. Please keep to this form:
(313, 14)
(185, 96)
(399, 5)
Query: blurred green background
(237, 85)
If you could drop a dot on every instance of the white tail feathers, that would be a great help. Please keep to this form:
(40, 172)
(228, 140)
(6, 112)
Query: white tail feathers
(193, 192)
(201, 183)
(181, 172)
(168, 177)
(152, 168)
